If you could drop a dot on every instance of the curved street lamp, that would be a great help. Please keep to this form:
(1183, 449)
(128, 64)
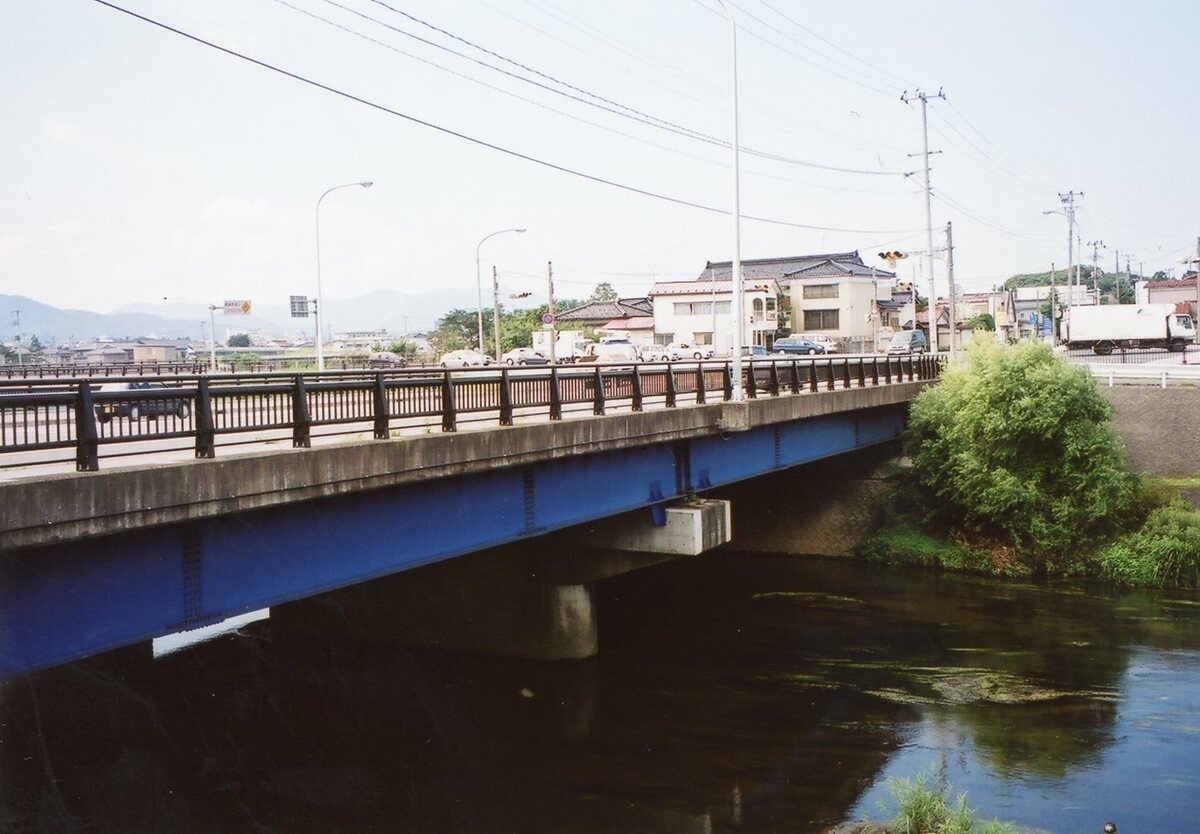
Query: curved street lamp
(479, 284)
(320, 306)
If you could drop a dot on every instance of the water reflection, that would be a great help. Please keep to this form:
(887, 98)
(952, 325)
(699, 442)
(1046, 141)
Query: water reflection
(732, 693)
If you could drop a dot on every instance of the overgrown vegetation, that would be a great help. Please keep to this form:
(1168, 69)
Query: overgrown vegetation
(1016, 471)
(923, 810)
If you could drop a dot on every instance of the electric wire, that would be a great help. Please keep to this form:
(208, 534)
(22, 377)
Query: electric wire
(601, 102)
(474, 140)
(549, 108)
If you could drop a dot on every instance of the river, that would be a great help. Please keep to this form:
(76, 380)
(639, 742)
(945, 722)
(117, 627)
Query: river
(733, 692)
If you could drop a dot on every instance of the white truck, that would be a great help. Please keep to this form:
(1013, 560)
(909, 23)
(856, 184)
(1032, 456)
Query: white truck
(569, 345)
(1106, 327)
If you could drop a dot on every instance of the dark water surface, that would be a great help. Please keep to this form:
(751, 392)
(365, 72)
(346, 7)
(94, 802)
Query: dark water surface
(733, 692)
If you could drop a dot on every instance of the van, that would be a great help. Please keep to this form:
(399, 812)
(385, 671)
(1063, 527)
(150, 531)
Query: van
(907, 341)
(613, 350)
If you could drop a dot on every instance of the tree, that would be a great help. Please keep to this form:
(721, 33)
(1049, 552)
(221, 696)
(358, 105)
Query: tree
(238, 340)
(404, 348)
(982, 321)
(1014, 449)
(459, 329)
(603, 292)
(35, 346)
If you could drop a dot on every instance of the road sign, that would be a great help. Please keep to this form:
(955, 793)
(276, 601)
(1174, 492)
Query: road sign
(299, 306)
(240, 307)
(547, 319)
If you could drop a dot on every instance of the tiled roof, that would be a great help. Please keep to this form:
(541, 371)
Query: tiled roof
(1174, 283)
(696, 287)
(608, 310)
(836, 263)
(836, 269)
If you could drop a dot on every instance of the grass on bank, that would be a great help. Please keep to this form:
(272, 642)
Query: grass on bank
(920, 809)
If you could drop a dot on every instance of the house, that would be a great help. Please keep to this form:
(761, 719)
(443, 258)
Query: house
(999, 304)
(1171, 291)
(596, 314)
(830, 294)
(701, 312)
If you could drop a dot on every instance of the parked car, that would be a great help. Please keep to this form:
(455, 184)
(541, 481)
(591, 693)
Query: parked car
(830, 344)
(686, 350)
(386, 359)
(464, 359)
(793, 345)
(179, 406)
(612, 350)
(525, 356)
(907, 341)
(654, 353)
(753, 352)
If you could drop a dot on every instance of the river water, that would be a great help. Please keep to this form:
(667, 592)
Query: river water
(733, 692)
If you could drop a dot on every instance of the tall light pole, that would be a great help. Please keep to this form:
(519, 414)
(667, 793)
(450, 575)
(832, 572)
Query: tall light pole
(212, 339)
(320, 304)
(739, 313)
(479, 283)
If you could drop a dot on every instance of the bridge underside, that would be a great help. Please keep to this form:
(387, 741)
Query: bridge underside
(71, 600)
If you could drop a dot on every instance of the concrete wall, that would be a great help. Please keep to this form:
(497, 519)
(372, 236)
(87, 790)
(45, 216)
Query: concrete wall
(1159, 427)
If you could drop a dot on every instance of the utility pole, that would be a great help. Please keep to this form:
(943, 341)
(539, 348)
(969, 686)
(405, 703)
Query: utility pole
(550, 308)
(1117, 272)
(932, 310)
(950, 277)
(1097, 245)
(1053, 320)
(496, 311)
(1068, 200)
(1128, 275)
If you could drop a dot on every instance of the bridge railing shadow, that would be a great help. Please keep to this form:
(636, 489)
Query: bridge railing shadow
(137, 415)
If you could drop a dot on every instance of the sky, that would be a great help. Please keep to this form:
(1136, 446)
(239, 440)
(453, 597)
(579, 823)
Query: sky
(143, 167)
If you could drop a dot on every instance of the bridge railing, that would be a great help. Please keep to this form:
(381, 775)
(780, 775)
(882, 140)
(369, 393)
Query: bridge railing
(127, 413)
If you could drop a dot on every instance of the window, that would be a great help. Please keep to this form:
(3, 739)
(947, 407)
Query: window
(771, 314)
(704, 339)
(758, 308)
(724, 308)
(821, 319)
(700, 308)
(821, 291)
(664, 338)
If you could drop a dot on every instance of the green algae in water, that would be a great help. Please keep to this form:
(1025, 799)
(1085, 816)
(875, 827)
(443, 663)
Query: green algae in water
(805, 596)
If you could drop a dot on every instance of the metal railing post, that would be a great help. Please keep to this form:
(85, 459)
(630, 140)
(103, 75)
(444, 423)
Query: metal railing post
(598, 393)
(449, 410)
(671, 392)
(87, 441)
(206, 435)
(301, 423)
(381, 408)
(555, 395)
(636, 381)
(700, 386)
(506, 403)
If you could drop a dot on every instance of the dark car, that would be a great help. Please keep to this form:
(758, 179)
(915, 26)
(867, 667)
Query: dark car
(794, 346)
(136, 409)
(386, 359)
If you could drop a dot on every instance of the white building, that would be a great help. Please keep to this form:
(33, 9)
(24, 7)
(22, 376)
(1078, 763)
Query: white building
(701, 312)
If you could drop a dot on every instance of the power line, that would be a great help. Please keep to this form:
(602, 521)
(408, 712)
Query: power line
(543, 106)
(599, 102)
(482, 143)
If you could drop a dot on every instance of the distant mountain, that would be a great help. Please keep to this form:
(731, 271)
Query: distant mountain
(383, 309)
(25, 317)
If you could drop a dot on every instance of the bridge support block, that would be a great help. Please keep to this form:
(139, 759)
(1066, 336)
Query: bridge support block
(692, 527)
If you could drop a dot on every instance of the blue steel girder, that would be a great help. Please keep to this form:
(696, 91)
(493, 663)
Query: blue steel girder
(67, 602)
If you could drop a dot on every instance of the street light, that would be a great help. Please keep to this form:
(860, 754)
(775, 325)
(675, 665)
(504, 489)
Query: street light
(1070, 215)
(479, 288)
(736, 271)
(320, 305)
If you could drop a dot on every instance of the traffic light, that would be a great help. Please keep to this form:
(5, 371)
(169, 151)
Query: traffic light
(892, 257)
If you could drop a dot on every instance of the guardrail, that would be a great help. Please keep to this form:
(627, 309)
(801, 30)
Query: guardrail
(198, 366)
(84, 415)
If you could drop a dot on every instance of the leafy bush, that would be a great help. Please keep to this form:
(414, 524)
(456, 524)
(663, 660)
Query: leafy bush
(1014, 448)
(1165, 552)
(904, 544)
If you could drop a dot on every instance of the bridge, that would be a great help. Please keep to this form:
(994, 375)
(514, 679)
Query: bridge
(428, 464)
